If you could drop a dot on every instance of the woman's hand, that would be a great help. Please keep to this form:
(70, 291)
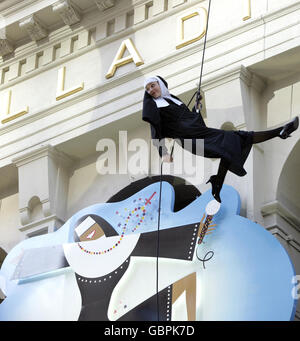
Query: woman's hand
(167, 158)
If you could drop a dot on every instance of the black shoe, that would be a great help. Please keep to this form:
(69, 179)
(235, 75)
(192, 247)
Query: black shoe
(216, 185)
(289, 128)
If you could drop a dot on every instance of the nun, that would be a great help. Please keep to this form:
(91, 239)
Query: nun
(169, 117)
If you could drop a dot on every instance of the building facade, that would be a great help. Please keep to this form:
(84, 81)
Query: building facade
(71, 86)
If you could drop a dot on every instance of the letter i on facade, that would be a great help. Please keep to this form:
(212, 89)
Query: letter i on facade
(6, 116)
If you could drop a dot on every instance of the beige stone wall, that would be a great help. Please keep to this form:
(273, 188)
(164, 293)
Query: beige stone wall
(10, 222)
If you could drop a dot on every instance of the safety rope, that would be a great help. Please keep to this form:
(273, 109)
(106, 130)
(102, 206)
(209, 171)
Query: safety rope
(198, 98)
(157, 251)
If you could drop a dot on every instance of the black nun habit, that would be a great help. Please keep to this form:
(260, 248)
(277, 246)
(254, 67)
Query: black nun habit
(173, 119)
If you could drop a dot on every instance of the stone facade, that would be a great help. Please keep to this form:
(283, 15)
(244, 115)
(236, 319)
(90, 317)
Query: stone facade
(72, 74)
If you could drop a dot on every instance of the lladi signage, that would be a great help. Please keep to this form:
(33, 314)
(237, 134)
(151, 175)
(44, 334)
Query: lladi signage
(133, 56)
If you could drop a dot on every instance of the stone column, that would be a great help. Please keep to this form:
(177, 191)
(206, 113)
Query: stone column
(43, 189)
(256, 119)
(233, 102)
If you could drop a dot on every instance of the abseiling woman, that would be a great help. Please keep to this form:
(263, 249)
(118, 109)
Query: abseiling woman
(170, 117)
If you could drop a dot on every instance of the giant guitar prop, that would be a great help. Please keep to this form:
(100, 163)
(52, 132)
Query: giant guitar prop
(112, 261)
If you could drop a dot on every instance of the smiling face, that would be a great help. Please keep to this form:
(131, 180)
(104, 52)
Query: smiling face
(153, 89)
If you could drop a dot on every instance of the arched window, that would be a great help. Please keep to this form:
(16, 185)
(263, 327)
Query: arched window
(288, 190)
(35, 209)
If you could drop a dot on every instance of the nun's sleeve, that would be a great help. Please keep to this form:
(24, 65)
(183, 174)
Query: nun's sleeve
(158, 142)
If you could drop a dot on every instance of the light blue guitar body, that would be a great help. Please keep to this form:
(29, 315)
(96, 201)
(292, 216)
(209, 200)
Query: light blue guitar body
(245, 273)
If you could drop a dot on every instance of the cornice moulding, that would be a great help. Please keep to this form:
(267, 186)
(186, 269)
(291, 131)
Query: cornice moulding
(239, 72)
(266, 17)
(65, 32)
(40, 224)
(34, 28)
(24, 9)
(17, 6)
(67, 11)
(5, 47)
(275, 207)
(92, 20)
(277, 231)
(105, 4)
(43, 151)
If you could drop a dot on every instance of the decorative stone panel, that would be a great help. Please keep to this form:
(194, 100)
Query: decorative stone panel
(43, 189)
(34, 28)
(67, 12)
